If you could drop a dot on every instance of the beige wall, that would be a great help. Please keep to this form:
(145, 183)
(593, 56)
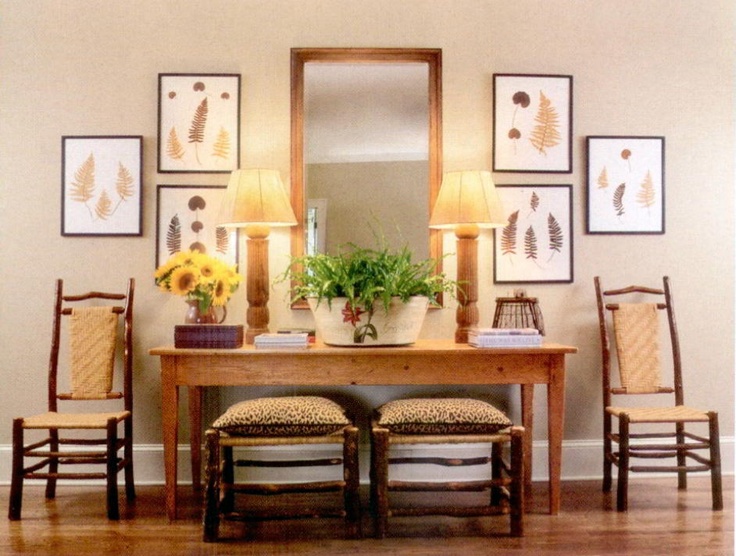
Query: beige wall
(640, 67)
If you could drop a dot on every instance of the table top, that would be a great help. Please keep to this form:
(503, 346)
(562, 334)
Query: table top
(425, 362)
(423, 346)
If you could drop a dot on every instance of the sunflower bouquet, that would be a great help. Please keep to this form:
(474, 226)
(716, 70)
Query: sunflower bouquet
(198, 277)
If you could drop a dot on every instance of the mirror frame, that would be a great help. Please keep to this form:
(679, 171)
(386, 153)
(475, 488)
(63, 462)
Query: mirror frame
(301, 56)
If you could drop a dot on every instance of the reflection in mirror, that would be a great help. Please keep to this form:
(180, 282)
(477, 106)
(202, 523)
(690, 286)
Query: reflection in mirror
(366, 148)
(366, 143)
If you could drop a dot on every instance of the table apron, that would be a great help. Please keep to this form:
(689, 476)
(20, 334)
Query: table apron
(369, 370)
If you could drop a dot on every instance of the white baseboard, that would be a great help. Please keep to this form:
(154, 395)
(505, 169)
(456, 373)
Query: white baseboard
(581, 460)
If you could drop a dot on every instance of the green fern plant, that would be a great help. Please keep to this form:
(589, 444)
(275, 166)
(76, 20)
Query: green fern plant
(366, 277)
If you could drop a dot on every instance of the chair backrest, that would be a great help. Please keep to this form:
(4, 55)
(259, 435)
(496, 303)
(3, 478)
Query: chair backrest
(629, 326)
(90, 323)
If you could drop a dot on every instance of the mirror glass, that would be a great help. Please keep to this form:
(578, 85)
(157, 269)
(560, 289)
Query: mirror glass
(366, 148)
(366, 155)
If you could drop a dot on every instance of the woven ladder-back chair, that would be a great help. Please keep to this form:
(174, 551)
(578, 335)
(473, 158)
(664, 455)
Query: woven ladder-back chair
(296, 421)
(453, 421)
(89, 323)
(631, 331)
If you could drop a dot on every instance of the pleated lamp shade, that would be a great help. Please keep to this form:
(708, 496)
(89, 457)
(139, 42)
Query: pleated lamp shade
(256, 196)
(467, 197)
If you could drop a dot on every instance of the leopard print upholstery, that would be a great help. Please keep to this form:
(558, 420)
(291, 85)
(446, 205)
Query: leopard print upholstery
(441, 416)
(283, 416)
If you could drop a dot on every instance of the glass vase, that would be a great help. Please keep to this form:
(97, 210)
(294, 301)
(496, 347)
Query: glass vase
(196, 316)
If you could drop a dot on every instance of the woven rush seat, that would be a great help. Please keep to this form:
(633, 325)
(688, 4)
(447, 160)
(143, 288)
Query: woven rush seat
(56, 420)
(279, 421)
(660, 414)
(453, 421)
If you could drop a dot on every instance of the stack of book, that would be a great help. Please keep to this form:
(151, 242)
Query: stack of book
(282, 341)
(504, 337)
(309, 331)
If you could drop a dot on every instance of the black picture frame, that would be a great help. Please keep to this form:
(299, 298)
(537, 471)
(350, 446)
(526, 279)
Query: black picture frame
(536, 246)
(198, 123)
(102, 185)
(532, 123)
(625, 184)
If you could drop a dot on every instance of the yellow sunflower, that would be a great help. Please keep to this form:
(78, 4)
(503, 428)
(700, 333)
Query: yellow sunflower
(164, 269)
(221, 291)
(233, 278)
(187, 258)
(184, 280)
(196, 275)
(207, 270)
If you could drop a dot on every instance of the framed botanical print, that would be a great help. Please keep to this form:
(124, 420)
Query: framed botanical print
(198, 122)
(187, 219)
(532, 123)
(625, 185)
(101, 185)
(536, 244)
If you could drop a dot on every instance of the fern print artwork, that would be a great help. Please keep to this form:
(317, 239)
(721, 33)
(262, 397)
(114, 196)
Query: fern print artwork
(187, 219)
(546, 131)
(534, 202)
(199, 122)
(535, 244)
(101, 185)
(556, 236)
(196, 129)
(530, 244)
(634, 168)
(99, 205)
(532, 123)
(618, 200)
(508, 235)
(646, 197)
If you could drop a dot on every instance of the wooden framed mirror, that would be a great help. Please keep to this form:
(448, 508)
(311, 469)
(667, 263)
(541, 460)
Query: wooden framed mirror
(386, 70)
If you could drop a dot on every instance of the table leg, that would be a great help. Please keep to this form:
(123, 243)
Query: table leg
(170, 426)
(195, 435)
(555, 424)
(527, 420)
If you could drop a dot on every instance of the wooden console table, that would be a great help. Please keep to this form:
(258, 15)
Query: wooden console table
(428, 362)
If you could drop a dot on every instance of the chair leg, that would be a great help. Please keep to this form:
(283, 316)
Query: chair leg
(372, 478)
(517, 481)
(53, 465)
(607, 454)
(715, 461)
(128, 455)
(496, 471)
(623, 464)
(351, 475)
(379, 476)
(16, 478)
(227, 479)
(211, 514)
(113, 512)
(681, 459)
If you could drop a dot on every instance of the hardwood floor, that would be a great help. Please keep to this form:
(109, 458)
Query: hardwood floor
(661, 521)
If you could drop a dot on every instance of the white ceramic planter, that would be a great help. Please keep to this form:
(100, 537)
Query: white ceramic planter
(400, 325)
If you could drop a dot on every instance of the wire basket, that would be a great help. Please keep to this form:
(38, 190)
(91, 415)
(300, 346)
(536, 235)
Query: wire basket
(518, 312)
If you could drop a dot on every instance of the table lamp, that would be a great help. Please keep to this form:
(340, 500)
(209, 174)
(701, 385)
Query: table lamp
(467, 201)
(256, 200)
